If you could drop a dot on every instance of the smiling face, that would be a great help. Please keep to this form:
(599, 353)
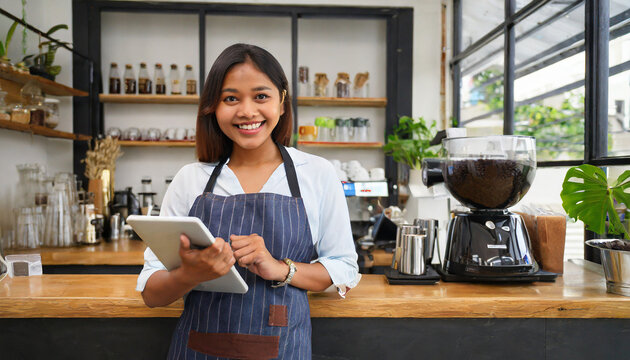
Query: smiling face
(249, 107)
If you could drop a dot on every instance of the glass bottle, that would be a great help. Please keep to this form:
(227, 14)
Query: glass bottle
(174, 80)
(361, 86)
(191, 81)
(342, 85)
(304, 87)
(114, 79)
(130, 80)
(5, 111)
(144, 81)
(160, 82)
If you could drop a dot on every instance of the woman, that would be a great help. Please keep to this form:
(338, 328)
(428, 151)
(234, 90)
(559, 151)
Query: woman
(278, 213)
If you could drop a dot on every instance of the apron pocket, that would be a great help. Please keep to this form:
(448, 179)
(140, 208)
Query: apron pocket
(278, 315)
(235, 346)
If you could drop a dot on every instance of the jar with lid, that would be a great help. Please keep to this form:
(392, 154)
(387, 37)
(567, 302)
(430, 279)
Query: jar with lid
(321, 84)
(37, 110)
(304, 86)
(342, 85)
(191, 81)
(52, 113)
(160, 82)
(343, 129)
(361, 126)
(5, 110)
(144, 81)
(174, 80)
(114, 79)
(130, 80)
(20, 114)
(361, 86)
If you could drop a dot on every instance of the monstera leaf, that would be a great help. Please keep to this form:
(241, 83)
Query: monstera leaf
(587, 196)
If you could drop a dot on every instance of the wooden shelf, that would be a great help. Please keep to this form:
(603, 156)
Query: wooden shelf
(149, 99)
(48, 86)
(351, 102)
(329, 144)
(157, 143)
(41, 130)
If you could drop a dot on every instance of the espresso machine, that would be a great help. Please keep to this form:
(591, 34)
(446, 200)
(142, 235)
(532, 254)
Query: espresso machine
(488, 175)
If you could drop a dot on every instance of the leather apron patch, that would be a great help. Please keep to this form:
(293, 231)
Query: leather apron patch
(278, 315)
(235, 346)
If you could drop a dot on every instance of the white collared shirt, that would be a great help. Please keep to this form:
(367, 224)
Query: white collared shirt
(323, 197)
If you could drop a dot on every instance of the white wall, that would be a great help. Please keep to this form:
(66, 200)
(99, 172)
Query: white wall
(19, 148)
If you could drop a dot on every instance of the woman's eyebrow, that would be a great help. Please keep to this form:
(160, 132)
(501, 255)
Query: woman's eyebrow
(261, 88)
(229, 90)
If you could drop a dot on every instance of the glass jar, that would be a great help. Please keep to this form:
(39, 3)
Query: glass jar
(52, 113)
(191, 81)
(304, 86)
(361, 126)
(20, 114)
(144, 81)
(361, 86)
(130, 80)
(114, 79)
(160, 82)
(321, 85)
(342, 85)
(37, 110)
(27, 230)
(343, 129)
(5, 111)
(176, 88)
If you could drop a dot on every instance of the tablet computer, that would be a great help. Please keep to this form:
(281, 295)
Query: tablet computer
(161, 234)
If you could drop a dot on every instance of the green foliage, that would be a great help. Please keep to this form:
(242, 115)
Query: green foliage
(409, 143)
(46, 59)
(556, 130)
(492, 94)
(4, 47)
(587, 196)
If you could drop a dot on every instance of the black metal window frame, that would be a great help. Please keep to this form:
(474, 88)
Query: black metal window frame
(597, 34)
(596, 42)
(399, 58)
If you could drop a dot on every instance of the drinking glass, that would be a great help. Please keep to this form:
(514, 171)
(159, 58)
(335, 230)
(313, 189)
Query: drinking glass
(59, 225)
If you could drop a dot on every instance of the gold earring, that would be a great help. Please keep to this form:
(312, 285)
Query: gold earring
(284, 93)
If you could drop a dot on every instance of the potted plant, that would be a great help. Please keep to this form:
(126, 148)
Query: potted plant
(408, 145)
(4, 47)
(42, 64)
(587, 195)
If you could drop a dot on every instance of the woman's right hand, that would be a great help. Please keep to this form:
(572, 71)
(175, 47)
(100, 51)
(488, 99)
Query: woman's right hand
(205, 264)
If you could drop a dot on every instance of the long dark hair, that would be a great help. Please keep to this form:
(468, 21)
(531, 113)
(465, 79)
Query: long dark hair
(212, 143)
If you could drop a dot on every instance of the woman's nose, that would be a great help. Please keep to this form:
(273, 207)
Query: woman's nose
(247, 109)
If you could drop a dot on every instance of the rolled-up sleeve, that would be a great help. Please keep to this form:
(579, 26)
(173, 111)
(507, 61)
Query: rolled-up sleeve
(173, 204)
(335, 246)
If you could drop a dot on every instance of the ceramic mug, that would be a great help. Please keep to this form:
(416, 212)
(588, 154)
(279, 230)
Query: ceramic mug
(377, 174)
(308, 133)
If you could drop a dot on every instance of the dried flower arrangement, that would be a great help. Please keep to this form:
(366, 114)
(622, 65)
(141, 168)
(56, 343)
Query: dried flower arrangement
(102, 157)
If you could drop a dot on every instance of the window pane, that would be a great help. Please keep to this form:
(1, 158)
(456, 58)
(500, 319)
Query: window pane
(482, 90)
(549, 81)
(479, 17)
(619, 81)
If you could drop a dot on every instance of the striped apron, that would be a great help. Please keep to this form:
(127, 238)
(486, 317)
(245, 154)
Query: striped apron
(266, 322)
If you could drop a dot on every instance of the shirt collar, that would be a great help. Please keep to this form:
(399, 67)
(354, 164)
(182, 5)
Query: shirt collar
(298, 157)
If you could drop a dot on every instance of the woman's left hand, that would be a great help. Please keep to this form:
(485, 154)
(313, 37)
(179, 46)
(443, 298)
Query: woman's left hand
(250, 252)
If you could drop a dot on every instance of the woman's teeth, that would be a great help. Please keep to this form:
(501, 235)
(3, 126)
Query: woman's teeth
(249, 126)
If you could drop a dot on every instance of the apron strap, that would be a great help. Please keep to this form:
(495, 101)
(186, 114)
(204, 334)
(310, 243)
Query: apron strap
(214, 176)
(289, 168)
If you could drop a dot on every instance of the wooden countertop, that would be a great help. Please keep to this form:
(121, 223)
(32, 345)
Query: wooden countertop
(122, 252)
(579, 294)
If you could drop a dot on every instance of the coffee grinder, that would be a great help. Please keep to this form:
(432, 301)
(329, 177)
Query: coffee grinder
(487, 174)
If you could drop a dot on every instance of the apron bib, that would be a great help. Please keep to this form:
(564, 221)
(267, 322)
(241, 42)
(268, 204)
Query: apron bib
(266, 322)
